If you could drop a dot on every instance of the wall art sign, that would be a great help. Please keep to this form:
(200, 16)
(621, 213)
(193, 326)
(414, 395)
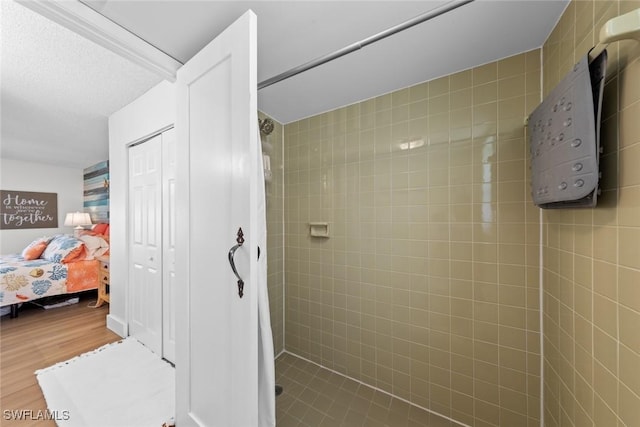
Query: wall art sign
(28, 209)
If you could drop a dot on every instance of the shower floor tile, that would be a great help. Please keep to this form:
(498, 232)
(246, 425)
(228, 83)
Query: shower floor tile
(316, 397)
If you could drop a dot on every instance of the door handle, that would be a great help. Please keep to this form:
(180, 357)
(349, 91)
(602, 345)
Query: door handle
(232, 251)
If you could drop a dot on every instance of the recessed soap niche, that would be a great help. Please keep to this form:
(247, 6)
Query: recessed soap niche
(319, 229)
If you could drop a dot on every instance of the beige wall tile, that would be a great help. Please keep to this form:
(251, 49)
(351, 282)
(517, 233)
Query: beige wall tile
(629, 126)
(628, 287)
(629, 405)
(628, 328)
(629, 250)
(449, 244)
(603, 347)
(630, 92)
(629, 174)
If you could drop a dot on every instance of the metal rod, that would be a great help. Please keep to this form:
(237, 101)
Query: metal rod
(362, 43)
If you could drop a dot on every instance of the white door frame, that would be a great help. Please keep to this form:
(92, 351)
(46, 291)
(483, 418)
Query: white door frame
(169, 283)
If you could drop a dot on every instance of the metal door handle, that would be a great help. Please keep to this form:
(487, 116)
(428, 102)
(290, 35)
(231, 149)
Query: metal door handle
(232, 251)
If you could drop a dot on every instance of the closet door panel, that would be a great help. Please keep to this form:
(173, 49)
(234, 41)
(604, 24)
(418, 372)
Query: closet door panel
(145, 245)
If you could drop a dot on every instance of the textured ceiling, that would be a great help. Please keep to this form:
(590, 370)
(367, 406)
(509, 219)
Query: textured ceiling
(58, 89)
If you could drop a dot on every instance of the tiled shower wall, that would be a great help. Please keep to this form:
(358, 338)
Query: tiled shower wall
(592, 256)
(428, 285)
(272, 146)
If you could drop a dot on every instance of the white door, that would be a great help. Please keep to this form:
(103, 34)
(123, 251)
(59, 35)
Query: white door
(145, 242)
(169, 284)
(217, 341)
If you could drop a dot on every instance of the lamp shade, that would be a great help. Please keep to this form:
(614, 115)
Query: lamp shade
(77, 219)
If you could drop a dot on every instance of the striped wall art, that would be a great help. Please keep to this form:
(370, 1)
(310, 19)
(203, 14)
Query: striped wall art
(96, 192)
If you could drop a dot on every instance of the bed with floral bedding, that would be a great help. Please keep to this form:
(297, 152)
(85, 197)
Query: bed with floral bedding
(50, 266)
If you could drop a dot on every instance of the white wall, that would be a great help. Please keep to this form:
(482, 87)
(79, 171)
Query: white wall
(153, 111)
(27, 176)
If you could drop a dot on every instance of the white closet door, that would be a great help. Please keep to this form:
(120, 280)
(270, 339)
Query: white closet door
(169, 284)
(217, 335)
(145, 243)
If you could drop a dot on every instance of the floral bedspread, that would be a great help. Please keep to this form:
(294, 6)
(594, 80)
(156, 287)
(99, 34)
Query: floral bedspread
(22, 280)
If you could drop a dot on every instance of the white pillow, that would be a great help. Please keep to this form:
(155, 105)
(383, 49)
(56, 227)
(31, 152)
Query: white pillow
(96, 246)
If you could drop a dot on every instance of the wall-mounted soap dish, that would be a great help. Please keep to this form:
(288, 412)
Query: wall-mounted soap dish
(319, 229)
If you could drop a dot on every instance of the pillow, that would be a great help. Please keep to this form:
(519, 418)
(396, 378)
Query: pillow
(95, 246)
(63, 248)
(35, 248)
(100, 228)
(78, 254)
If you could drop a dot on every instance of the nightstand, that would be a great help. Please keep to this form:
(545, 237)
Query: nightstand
(103, 286)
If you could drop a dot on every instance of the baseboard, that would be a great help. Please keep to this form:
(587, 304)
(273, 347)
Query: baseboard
(117, 325)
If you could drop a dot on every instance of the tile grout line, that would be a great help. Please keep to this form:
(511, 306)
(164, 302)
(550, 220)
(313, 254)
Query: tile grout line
(376, 389)
(541, 271)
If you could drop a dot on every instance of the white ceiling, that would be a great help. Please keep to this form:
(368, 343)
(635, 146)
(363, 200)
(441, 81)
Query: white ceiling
(58, 89)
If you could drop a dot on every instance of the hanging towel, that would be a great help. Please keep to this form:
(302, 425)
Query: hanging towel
(266, 362)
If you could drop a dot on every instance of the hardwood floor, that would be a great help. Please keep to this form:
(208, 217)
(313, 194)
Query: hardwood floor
(38, 338)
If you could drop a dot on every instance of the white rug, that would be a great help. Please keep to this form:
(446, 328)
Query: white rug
(122, 384)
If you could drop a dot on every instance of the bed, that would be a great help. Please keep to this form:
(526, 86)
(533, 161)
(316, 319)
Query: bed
(51, 266)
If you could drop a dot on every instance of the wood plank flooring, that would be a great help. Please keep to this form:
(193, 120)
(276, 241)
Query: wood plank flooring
(312, 396)
(38, 338)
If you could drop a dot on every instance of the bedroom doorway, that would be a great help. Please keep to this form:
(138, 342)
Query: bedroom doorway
(152, 242)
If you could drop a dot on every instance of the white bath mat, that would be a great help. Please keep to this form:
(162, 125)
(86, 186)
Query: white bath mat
(122, 384)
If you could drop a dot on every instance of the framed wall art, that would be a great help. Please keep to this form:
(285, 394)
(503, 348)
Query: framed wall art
(28, 209)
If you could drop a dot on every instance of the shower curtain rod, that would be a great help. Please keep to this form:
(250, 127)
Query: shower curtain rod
(362, 43)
